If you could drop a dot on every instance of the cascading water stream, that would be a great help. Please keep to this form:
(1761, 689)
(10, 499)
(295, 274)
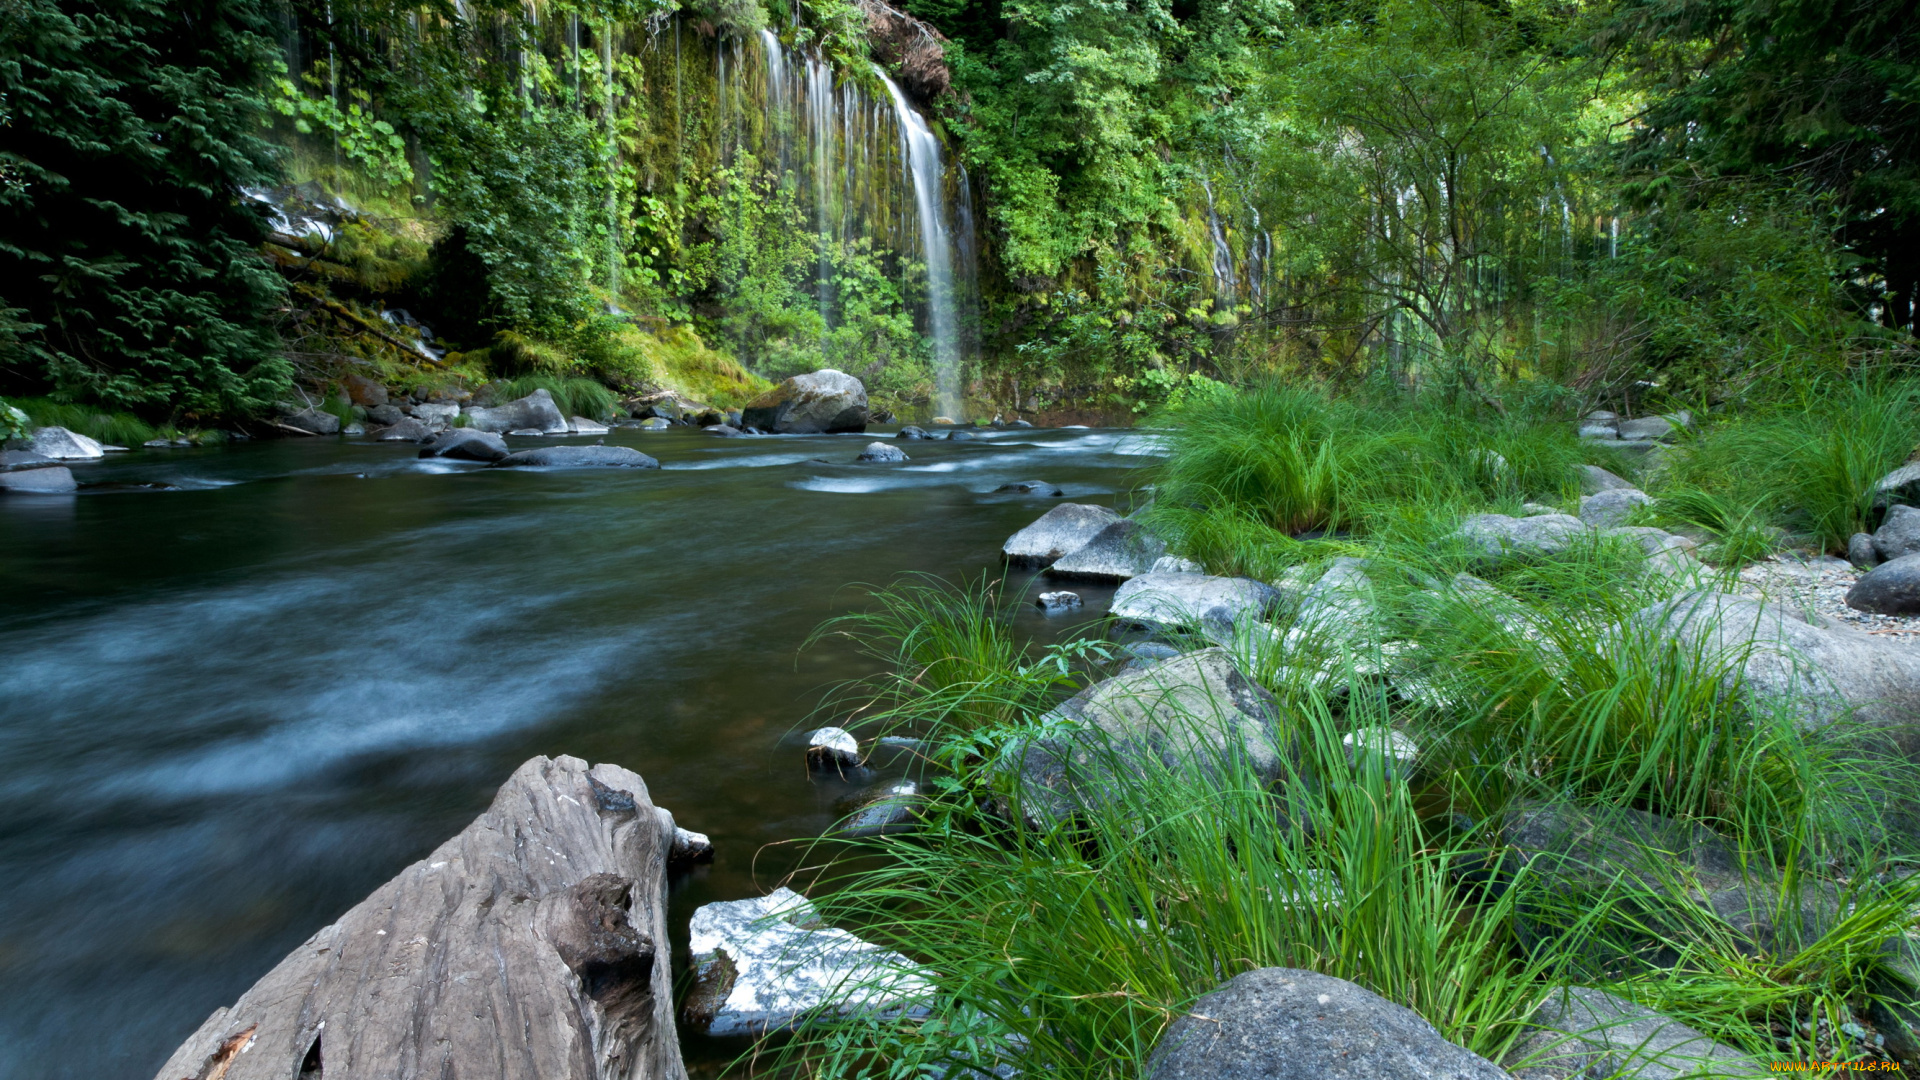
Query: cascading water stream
(922, 153)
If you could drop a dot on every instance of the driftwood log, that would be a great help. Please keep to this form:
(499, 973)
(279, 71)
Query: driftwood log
(532, 946)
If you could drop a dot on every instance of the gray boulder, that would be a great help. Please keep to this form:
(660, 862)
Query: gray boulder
(1898, 534)
(887, 810)
(466, 444)
(532, 945)
(60, 444)
(313, 422)
(1193, 711)
(1594, 480)
(1499, 538)
(654, 423)
(1060, 531)
(438, 416)
(727, 431)
(1654, 427)
(824, 401)
(1612, 507)
(364, 392)
(1189, 600)
(1819, 674)
(770, 964)
(1175, 564)
(1122, 550)
(535, 412)
(1600, 429)
(959, 435)
(385, 415)
(1902, 486)
(1892, 588)
(579, 457)
(911, 432)
(1290, 1024)
(832, 748)
(1582, 1032)
(1030, 487)
(47, 480)
(24, 459)
(407, 430)
(881, 452)
(1860, 552)
(580, 425)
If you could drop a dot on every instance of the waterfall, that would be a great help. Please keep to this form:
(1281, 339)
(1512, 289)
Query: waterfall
(929, 196)
(1224, 281)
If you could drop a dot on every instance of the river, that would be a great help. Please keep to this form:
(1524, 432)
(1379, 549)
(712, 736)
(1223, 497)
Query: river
(241, 687)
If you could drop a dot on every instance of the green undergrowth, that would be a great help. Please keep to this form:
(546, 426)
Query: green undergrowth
(1067, 946)
(106, 425)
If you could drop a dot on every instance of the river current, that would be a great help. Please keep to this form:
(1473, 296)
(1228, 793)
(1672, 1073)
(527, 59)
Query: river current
(242, 687)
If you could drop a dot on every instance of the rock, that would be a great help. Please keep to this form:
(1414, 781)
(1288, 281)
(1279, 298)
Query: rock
(1500, 538)
(1189, 600)
(532, 433)
(1150, 651)
(466, 444)
(888, 810)
(1599, 429)
(1029, 487)
(725, 430)
(355, 428)
(1819, 674)
(364, 392)
(580, 425)
(533, 945)
(1654, 427)
(385, 415)
(1019, 423)
(1122, 550)
(1194, 711)
(20, 459)
(767, 964)
(689, 848)
(1594, 480)
(1892, 588)
(945, 421)
(1291, 1024)
(959, 435)
(825, 401)
(1175, 564)
(438, 416)
(46, 480)
(1898, 534)
(1057, 601)
(1396, 748)
(535, 412)
(407, 430)
(579, 457)
(1612, 507)
(1902, 486)
(879, 451)
(912, 432)
(1860, 552)
(1534, 509)
(656, 423)
(833, 748)
(313, 421)
(1583, 1032)
(1060, 531)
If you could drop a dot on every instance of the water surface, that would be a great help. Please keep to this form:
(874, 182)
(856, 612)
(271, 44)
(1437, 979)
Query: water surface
(241, 687)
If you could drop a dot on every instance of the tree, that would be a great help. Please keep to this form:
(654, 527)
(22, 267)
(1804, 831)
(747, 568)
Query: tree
(128, 251)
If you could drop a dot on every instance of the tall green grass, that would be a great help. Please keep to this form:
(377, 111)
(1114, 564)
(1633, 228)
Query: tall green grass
(105, 425)
(574, 396)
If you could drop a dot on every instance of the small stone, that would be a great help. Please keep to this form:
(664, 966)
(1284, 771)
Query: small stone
(158, 444)
(385, 415)
(1608, 431)
(1019, 424)
(659, 423)
(887, 810)
(580, 425)
(1861, 553)
(466, 444)
(881, 452)
(1057, 601)
(724, 430)
(527, 432)
(912, 432)
(1892, 588)
(364, 391)
(407, 430)
(1029, 487)
(946, 420)
(438, 416)
(313, 422)
(832, 748)
(959, 435)
(689, 847)
(1654, 427)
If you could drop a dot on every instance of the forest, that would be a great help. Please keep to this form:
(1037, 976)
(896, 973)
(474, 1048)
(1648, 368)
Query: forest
(1100, 207)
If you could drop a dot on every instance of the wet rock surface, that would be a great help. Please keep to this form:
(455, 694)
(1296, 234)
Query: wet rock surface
(1584, 1032)
(536, 412)
(822, 402)
(579, 457)
(1060, 531)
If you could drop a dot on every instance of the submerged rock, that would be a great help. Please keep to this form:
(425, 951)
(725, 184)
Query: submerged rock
(881, 452)
(1057, 601)
(886, 811)
(579, 457)
(832, 748)
(724, 430)
(910, 432)
(59, 444)
(533, 945)
(1030, 487)
(822, 402)
(1060, 531)
(769, 963)
(536, 412)
(1122, 550)
(1290, 1024)
(46, 480)
(466, 444)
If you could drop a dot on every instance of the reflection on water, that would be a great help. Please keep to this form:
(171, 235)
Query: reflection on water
(229, 711)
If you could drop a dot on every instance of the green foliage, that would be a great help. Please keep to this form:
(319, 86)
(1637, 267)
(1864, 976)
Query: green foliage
(107, 426)
(575, 397)
(124, 240)
(14, 424)
(369, 143)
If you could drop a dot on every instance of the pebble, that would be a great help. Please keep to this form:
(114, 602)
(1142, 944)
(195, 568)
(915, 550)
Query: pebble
(1819, 586)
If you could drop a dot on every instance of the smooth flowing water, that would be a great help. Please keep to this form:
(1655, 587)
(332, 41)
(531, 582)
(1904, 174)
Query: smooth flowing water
(230, 710)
